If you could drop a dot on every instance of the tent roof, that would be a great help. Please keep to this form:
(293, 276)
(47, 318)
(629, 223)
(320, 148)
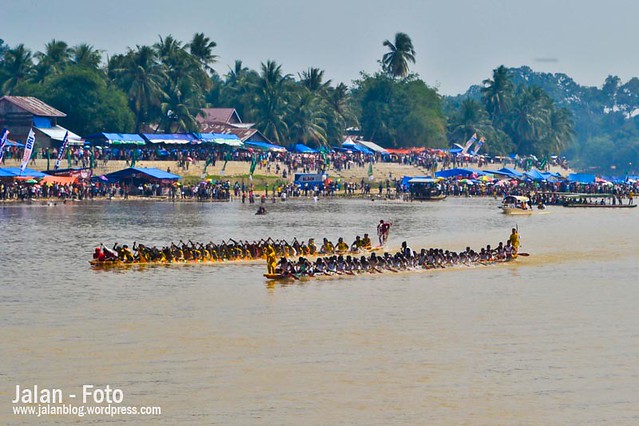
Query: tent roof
(219, 138)
(581, 178)
(301, 148)
(57, 133)
(15, 172)
(265, 146)
(373, 146)
(121, 138)
(169, 138)
(423, 180)
(458, 172)
(136, 171)
(355, 146)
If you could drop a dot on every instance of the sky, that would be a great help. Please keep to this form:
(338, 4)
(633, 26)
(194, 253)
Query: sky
(457, 42)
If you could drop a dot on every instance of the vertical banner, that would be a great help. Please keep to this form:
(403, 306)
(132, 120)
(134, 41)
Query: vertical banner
(3, 142)
(479, 145)
(28, 149)
(370, 171)
(469, 143)
(63, 147)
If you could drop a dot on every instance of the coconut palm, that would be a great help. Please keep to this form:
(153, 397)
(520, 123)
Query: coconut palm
(182, 102)
(529, 120)
(560, 131)
(401, 52)
(16, 67)
(471, 118)
(201, 47)
(56, 56)
(141, 77)
(313, 78)
(498, 93)
(271, 103)
(86, 55)
(306, 120)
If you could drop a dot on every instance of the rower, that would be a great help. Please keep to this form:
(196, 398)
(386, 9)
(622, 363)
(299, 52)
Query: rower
(514, 240)
(341, 246)
(366, 242)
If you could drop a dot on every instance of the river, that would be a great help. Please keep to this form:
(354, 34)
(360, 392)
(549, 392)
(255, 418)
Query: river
(549, 339)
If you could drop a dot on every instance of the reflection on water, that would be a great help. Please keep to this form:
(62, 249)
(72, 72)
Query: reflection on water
(549, 339)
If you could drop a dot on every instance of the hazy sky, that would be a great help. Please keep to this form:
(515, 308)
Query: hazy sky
(458, 42)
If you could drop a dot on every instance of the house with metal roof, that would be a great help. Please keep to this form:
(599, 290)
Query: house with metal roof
(19, 114)
(228, 121)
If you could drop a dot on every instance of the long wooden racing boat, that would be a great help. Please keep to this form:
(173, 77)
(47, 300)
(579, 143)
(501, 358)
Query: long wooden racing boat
(303, 277)
(122, 264)
(597, 201)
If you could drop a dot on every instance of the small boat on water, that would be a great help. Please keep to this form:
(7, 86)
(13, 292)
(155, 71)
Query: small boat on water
(602, 201)
(426, 189)
(516, 204)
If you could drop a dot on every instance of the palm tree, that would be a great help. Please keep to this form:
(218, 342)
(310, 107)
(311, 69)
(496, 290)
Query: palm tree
(313, 80)
(271, 103)
(56, 56)
(560, 131)
(141, 77)
(339, 113)
(86, 55)
(16, 67)
(306, 120)
(181, 105)
(201, 47)
(529, 120)
(471, 118)
(498, 93)
(401, 52)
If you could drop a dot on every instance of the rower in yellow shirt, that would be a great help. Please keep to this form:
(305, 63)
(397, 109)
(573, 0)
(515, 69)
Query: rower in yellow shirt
(341, 247)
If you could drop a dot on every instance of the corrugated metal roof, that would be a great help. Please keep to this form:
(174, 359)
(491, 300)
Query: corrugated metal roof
(57, 133)
(218, 115)
(243, 134)
(33, 105)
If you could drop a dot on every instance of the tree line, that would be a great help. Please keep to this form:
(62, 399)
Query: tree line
(165, 85)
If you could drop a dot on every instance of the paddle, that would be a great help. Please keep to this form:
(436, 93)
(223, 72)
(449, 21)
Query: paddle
(524, 254)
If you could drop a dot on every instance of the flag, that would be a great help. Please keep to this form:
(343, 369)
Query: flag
(543, 164)
(469, 143)
(253, 165)
(63, 147)
(28, 149)
(370, 171)
(479, 145)
(3, 142)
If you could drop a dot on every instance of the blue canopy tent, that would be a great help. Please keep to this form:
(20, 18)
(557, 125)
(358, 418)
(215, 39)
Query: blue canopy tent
(535, 175)
(264, 146)
(405, 179)
(115, 139)
(581, 178)
(505, 171)
(357, 148)
(219, 139)
(15, 172)
(11, 143)
(303, 149)
(6, 173)
(455, 150)
(170, 138)
(141, 174)
(458, 172)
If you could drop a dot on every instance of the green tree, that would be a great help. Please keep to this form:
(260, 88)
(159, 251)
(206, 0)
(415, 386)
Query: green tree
(400, 113)
(306, 121)
(141, 77)
(91, 106)
(56, 56)
(498, 93)
(201, 47)
(16, 67)
(86, 55)
(271, 101)
(401, 52)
